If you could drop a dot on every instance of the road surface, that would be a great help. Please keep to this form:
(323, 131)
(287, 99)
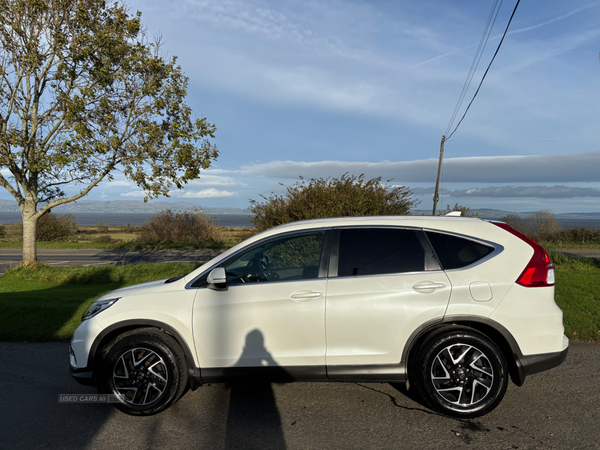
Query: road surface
(558, 409)
(11, 257)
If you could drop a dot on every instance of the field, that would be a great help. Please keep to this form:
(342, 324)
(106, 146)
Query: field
(103, 236)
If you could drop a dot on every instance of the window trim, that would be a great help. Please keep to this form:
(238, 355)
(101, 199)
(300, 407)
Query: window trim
(427, 249)
(323, 264)
(497, 248)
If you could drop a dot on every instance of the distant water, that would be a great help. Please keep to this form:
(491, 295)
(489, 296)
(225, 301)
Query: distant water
(121, 219)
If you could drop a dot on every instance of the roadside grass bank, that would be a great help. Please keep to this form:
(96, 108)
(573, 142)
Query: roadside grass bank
(41, 303)
(578, 295)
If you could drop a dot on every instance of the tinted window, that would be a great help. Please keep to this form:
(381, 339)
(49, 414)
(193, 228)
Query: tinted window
(370, 251)
(455, 252)
(292, 257)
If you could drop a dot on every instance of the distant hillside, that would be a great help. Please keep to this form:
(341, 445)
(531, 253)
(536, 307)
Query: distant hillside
(496, 214)
(124, 206)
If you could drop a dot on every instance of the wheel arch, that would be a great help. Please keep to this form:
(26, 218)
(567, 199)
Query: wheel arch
(494, 331)
(113, 333)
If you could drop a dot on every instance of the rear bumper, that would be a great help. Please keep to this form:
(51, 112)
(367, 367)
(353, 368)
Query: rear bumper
(538, 363)
(530, 364)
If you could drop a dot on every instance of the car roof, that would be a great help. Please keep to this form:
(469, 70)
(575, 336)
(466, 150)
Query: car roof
(415, 221)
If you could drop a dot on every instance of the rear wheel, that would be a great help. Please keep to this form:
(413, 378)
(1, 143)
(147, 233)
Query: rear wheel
(461, 373)
(146, 371)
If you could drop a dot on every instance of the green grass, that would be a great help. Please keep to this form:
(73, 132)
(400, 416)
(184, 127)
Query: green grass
(578, 295)
(42, 303)
(45, 304)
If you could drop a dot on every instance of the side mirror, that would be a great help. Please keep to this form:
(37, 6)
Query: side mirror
(217, 278)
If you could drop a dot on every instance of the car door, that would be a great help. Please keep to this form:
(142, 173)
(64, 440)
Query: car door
(272, 313)
(384, 283)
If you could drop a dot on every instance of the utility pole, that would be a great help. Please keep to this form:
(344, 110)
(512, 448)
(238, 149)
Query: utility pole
(436, 196)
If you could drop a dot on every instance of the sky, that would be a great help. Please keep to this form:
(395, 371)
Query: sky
(319, 88)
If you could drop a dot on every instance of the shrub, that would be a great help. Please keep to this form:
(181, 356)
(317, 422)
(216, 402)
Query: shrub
(578, 235)
(538, 226)
(2, 231)
(466, 212)
(180, 227)
(331, 197)
(102, 227)
(541, 223)
(515, 221)
(56, 228)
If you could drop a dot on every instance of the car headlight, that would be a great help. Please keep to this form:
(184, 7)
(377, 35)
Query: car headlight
(98, 306)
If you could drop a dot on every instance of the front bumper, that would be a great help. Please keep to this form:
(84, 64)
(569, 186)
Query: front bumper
(82, 376)
(80, 366)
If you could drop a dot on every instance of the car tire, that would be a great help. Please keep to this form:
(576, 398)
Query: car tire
(460, 373)
(145, 371)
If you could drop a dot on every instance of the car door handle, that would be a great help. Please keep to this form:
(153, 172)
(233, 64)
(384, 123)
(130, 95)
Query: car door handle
(304, 296)
(428, 286)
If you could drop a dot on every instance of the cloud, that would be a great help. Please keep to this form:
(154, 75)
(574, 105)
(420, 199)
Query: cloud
(204, 193)
(520, 30)
(558, 191)
(139, 193)
(581, 167)
(555, 19)
(215, 180)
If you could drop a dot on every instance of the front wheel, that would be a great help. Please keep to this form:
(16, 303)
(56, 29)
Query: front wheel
(461, 374)
(146, 371)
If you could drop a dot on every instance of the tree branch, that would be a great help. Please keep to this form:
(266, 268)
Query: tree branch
(6, 185)
(62, 201)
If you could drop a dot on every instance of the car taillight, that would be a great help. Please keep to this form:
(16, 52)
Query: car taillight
(539, 272)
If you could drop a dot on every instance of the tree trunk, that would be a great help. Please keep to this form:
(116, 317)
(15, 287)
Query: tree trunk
(30, 220)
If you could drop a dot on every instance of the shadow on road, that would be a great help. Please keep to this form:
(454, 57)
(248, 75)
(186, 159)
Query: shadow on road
(253, 420)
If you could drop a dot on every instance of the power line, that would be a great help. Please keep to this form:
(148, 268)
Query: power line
(486, 70)
(526, 140)
(491, 20)
(484, 39)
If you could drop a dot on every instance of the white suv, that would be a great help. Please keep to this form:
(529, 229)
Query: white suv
(452, 305)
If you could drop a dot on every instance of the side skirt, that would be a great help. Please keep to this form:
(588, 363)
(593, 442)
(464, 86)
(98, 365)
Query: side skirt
(391, 373)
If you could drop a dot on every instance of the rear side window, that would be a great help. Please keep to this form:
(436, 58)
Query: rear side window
(455, 252)
(373, 251)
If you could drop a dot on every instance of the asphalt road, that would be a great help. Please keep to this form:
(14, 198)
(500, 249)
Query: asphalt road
(10, 257)
(558, 409)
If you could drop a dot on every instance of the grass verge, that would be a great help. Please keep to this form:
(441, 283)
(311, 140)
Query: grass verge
(578, 295)
(41, 303)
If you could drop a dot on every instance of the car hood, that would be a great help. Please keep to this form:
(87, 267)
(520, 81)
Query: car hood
(137, 289)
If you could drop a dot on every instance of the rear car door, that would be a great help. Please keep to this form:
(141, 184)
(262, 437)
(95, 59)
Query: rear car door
(384, 284)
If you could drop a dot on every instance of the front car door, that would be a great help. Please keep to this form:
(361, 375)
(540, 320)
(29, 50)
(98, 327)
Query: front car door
(271, 317)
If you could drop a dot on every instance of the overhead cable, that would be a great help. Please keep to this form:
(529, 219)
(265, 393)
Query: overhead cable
(480, 48)
(487, 70)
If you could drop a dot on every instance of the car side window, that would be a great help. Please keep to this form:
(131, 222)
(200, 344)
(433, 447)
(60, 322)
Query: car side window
(373, 251)
(290, 257)
(455, 252)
